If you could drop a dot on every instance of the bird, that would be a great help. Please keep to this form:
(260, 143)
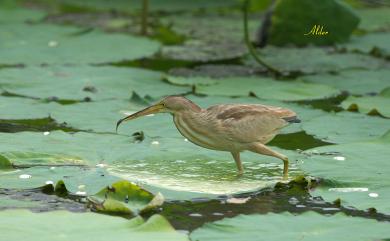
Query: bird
(232, 128)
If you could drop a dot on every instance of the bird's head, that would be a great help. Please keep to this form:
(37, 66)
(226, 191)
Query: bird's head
(170, 104)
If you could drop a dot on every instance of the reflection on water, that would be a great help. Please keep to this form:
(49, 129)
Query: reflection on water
(204, 176)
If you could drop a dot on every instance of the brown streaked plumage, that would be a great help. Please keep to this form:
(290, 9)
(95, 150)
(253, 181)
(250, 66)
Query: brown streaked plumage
(229, 127)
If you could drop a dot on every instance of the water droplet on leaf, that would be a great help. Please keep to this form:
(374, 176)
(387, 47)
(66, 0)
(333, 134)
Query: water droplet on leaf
(339, 158)
(373, 194)
(52, 44)
(25, 176)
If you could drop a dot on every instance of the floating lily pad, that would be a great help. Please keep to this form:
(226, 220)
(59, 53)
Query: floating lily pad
(23, 224)
(374, 19)
(204, 52)
(355, 164)
(319, 60)
(210, 37)
(28, 159)
(217, 71)
(124, 197)
(357, 82)
(309, 225)
(357, 196)
(370, 104)
(80, 82)
(344, 127)
(190, 81)
(24, 108)
(19, 15)
(77, 180)
(266, 88)
(212, 28)
(375, 43)
(90, 148)
(50, 44)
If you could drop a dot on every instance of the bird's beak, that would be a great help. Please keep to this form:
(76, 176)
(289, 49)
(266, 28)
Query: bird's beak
(147, 111)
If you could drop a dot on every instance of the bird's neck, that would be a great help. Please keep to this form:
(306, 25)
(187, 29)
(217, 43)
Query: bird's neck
(193, 107)
(191, 111)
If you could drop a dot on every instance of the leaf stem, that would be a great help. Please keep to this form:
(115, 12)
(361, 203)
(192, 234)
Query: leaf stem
(249, 45)
(144, 17)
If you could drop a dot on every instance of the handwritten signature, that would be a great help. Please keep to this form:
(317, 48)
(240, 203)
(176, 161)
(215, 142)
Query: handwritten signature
(317, 30)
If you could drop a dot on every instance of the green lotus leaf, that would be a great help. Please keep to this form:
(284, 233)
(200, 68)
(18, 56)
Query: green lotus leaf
(177, 80)
(216, 71)
(345, 127)
(319, 60)
(266, 88)
(19, 15)
(371, 105)
(24, 109)
(76, 180)
(50, 44)
(356, 82)
(374, 19)
(81, 82)
(375, 43)
(199, 51)
(224, 29)
(124, 197)
(23, 224)
(309, 225)
(355, 167)
(209, 37)
(29, 159)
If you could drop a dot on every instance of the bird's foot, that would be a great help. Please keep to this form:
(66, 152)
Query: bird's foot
(240, 173)
(285, 169)
(285, 176)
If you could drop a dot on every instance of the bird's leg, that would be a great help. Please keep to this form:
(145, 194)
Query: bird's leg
(262, 149)
(236, 156)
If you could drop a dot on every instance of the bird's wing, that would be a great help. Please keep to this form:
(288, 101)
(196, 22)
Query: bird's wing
(251, 123)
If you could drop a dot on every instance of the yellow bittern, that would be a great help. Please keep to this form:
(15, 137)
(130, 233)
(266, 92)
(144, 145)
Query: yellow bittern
(229, 127)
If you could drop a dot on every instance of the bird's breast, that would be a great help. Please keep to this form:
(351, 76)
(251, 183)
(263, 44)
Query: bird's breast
(195, 131)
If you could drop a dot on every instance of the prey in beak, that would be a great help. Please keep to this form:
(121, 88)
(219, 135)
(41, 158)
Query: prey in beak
(147, 111)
